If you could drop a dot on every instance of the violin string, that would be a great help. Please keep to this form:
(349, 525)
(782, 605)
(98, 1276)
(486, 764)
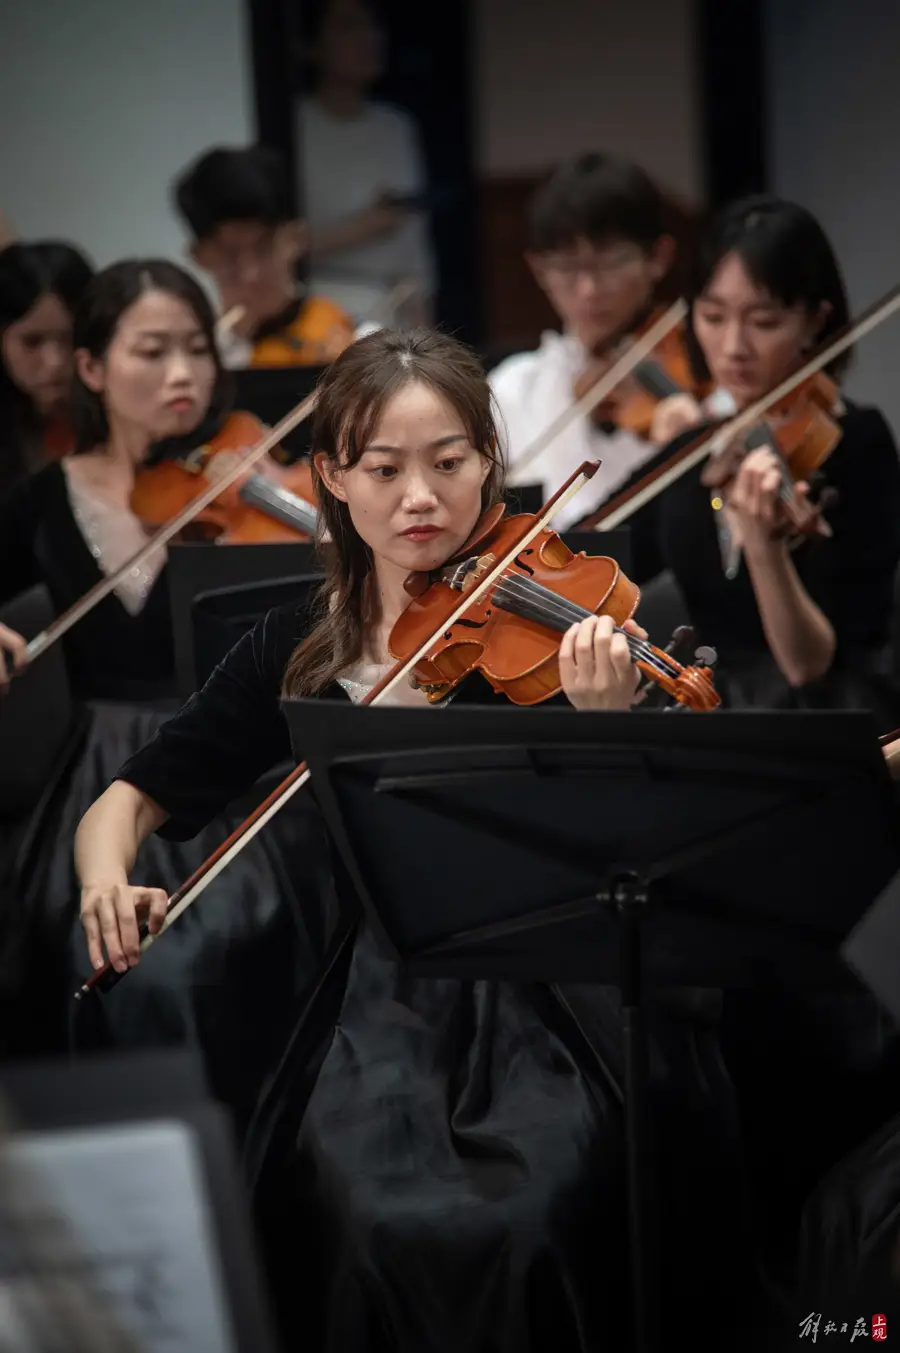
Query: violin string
(547, 605)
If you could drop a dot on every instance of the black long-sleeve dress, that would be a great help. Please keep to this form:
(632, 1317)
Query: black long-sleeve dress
(110, 654)
(439, 1164)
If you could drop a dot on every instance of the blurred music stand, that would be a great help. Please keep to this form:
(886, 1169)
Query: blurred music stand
(271, 392)
(195, 569)
(163, 1089)
(628, 849)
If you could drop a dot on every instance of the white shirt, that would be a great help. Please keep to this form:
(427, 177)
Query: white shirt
(345, 164)
(532, 389)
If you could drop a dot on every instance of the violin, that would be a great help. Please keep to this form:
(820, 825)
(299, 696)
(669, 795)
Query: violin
(268, 504)
(512, 633)
(802, 431)
(664, 372)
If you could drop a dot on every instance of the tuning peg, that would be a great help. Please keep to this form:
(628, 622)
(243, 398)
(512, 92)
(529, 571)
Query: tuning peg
(681, 638)
(705, 656)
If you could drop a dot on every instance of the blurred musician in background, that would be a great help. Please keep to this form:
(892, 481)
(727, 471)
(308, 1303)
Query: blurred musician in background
(244, 235)
(147, 370)
(362, 171)
(598, 249)
(40, 286)
(794, 624)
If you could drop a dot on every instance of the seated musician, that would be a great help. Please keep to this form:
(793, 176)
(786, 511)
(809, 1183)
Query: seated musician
(447, 1172)
(148, 372)
(243, 234)
(598, 248)
(41, 284)
(794, 623)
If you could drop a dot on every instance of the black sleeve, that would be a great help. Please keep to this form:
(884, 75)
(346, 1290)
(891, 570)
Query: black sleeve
(19, 567)
(851, 576)
(227, 735)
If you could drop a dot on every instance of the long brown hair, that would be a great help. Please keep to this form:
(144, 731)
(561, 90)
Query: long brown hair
(352, 393)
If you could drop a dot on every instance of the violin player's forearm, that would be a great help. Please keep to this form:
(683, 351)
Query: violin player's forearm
(800, 636)
(111, 833)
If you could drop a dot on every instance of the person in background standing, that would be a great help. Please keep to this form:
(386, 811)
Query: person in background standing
(361, 170)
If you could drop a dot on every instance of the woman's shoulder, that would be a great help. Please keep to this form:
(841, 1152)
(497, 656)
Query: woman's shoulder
(864, 432)
(865, 423)
(272, 640)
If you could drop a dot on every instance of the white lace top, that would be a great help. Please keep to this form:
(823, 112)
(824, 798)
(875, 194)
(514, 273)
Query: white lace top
(113, 535)
(359, 680)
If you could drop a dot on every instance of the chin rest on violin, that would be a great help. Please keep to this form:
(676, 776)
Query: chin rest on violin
(270, 504)
(513, 632)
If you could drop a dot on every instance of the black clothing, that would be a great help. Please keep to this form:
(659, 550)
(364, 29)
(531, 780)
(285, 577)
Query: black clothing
(440, 1164)
(111, 655)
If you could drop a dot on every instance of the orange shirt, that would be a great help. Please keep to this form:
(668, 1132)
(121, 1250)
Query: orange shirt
(319, 333)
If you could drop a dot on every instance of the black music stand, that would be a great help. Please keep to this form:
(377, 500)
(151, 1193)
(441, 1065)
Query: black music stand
(628, 849)
(271, 392)
(196, 569)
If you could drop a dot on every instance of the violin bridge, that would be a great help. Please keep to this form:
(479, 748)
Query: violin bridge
(476, 570)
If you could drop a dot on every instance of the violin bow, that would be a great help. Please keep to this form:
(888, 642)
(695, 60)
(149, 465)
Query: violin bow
(106, 977)
(602, 387)
(619, 508)
(226, 322)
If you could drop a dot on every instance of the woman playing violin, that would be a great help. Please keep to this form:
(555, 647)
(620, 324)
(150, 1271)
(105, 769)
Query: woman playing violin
(456, 1181)
(793, 624)
(41, 285)
(598, 249)
(147, 372)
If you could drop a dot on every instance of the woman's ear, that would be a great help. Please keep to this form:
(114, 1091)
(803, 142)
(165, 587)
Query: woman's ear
(486, 467)
(331, 475)
(90, 370)
(818, 320)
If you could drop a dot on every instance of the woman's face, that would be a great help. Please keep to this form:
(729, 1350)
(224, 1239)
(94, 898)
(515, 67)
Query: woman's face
(37, 354)
(415, 494)
(158, 372)
(350, 45)
(751, 340)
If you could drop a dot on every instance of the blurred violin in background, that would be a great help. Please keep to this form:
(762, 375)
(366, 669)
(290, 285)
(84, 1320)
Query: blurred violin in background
(270, 504)
(664, 372)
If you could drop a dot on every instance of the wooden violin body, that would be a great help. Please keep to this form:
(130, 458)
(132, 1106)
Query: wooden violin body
(513, 632)
(270, 504)
(632, 405)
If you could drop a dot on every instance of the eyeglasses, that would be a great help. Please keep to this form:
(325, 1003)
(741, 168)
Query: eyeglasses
(606, 267)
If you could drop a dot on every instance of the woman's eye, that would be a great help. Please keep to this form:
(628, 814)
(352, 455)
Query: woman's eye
(710, 319)
(199, 348)
(383, 471)
(450, 463)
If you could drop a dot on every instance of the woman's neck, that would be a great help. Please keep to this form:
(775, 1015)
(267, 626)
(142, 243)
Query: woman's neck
(340, 100)
(126, 448)
(388, 600)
